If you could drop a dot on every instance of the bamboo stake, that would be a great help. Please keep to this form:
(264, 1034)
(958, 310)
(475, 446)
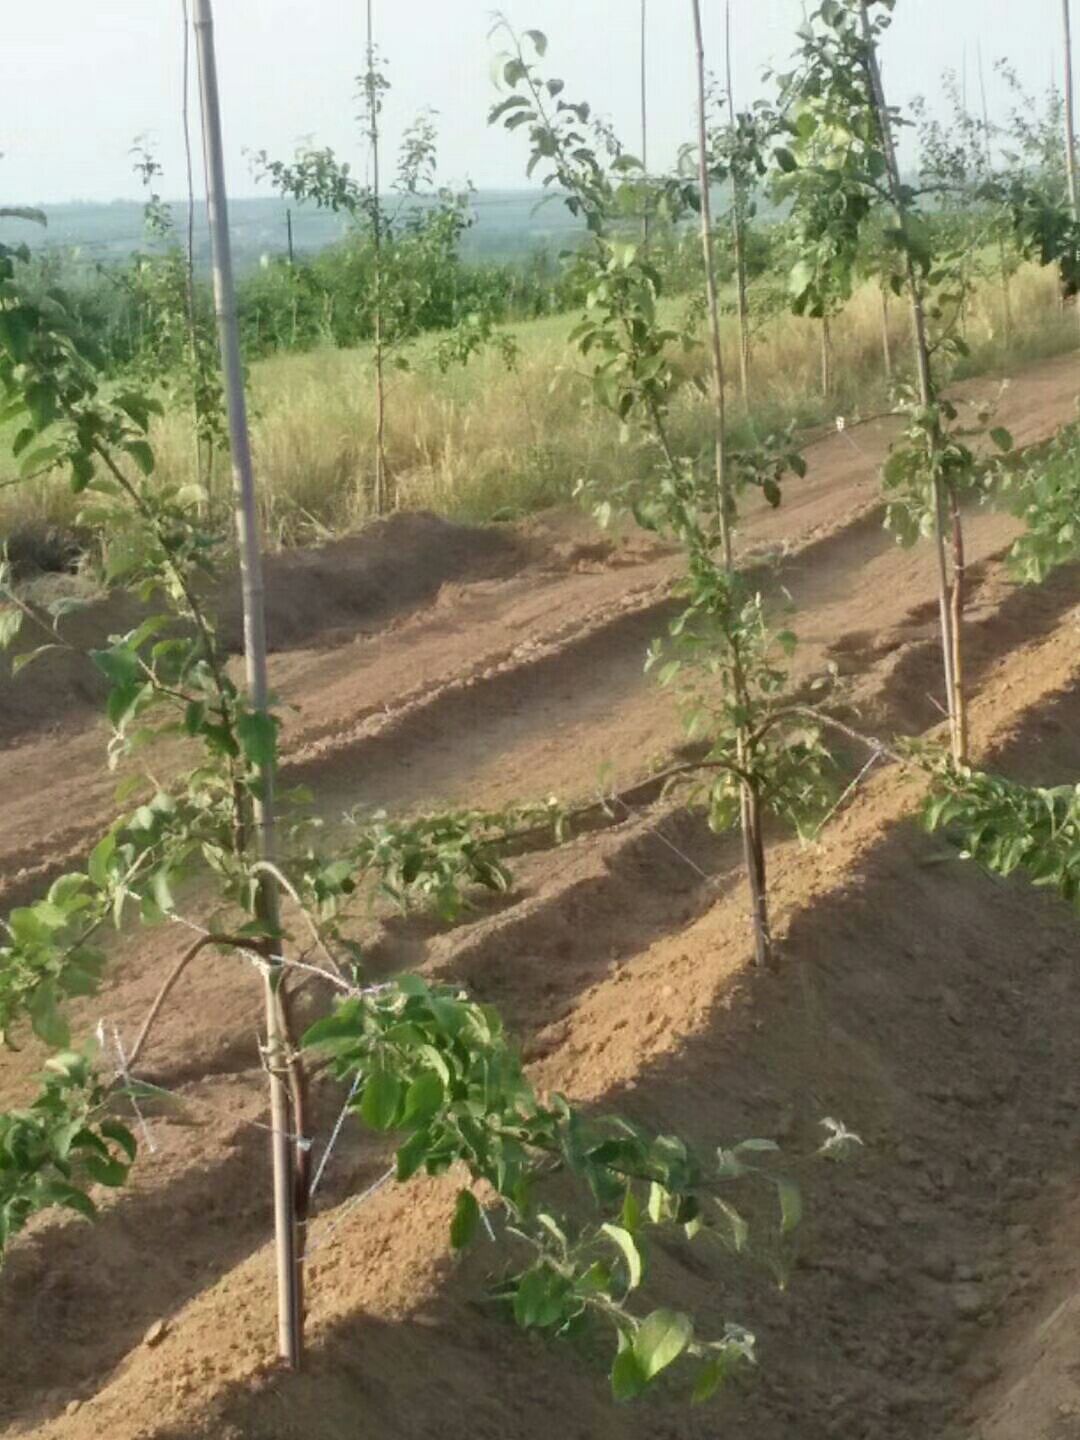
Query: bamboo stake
(738, 231)
(946, 601)
(1070, 121)
(290, 1305)
(189, 277)
(750, 807)
(1070, 131)
(1006, 293)
(377, 243)
(645, 115)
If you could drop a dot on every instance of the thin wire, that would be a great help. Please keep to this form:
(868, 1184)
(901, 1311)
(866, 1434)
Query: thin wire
(709, 879)
(334, 1136)
(874, 758)
(347, 1211)
(125, 1075)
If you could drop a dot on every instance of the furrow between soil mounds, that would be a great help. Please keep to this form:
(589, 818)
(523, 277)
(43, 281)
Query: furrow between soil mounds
(523, 952)
(878, 1017)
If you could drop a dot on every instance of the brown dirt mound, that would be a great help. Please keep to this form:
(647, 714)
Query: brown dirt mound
(928, 1007)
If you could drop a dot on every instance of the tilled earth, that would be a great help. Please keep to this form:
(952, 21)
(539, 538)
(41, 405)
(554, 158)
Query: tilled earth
(933, 1010)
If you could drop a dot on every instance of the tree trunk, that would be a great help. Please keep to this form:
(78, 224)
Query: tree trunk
(381, 497)
(750, 805)
(959, 598)
(950, 610)
(738, 235)
(289, 1287)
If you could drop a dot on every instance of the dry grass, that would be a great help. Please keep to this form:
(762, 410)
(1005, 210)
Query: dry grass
(490, 442)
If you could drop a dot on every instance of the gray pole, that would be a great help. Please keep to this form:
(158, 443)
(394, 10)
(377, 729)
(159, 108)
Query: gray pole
(1070, 116)
(247, 530)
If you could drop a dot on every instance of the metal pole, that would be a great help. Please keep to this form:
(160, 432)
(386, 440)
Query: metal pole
(290, 1319)
(645, 113)
(1070, 120)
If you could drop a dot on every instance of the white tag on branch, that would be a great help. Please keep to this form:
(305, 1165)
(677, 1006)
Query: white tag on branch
(841, 424)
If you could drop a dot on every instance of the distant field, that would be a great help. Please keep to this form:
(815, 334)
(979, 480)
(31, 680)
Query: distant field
(489, 442)
(508, 227)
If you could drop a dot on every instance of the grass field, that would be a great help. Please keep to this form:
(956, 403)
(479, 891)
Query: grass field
(489, 442)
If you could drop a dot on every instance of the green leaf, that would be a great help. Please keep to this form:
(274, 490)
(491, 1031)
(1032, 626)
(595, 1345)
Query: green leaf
(791, 1208)
(539, 40)
(10, 624)
(141, 452)
(98, 865)
(632, 1255)
(627, 1381)
(412, 1155)
(57, 1193)
(739, 1229)
(121, 1135)
(105, 1172)
(709, 1379)
(661, 1339)
(48, 1024)
(257, 732)
(785, 158)
(20, 662)
(43, 458)
(120, 666)
(1001, 437)
(423, 1098)
(466, 1219)
(381, 1100)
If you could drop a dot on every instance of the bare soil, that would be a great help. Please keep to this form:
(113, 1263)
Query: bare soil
(935, 1295)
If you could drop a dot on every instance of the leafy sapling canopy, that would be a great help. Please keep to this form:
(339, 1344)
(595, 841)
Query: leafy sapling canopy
(423, 1062)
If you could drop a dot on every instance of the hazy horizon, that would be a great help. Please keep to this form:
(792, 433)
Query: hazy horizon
(66, 138)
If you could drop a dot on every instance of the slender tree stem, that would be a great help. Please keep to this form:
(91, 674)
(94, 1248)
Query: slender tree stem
(290, 1305)
(163, 994)
(750, 805)
(950, 642)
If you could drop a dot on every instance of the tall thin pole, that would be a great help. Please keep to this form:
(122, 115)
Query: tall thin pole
(949, 597)
(189, 276)
(737, 225)
(1003, 259)
(289, 237)
(645, 113)
(1070, 117)
(290, 1318)
(381, 487)
(750, 806)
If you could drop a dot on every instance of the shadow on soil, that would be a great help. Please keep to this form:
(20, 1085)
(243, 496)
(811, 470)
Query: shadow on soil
(929, 1007)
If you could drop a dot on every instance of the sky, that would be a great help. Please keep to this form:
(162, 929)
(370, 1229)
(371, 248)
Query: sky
(79, 82)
